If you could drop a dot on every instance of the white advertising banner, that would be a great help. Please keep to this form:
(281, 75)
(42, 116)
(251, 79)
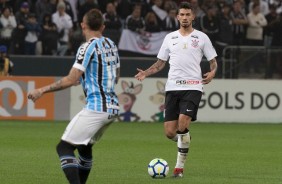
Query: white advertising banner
(148, 43)
(223, 101)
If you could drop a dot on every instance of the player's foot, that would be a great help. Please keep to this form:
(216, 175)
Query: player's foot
(178, 172)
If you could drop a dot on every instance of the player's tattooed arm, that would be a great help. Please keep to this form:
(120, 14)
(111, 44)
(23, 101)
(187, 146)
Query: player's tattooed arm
(213, 65)
(71, 79)
(210, 75)
(156, 67)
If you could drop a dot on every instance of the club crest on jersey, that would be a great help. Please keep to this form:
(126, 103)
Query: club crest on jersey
(195, 43)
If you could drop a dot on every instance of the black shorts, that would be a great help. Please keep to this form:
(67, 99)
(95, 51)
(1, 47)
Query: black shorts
(182, 102)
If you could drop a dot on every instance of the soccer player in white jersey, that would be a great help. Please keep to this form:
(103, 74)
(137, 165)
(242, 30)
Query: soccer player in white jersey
(184, 50)
(97, 69)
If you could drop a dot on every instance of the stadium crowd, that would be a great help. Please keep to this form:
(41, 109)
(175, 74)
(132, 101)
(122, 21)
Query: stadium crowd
(52, 27)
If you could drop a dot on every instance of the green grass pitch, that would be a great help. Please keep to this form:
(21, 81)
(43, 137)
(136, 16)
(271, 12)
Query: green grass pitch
(219, 154)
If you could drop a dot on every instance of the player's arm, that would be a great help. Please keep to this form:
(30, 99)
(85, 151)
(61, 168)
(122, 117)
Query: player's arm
(71, 79)
(118, 75)
(210, 75)
(156, 67)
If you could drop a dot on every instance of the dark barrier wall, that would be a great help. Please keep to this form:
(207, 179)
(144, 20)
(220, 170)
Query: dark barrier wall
(60, 66)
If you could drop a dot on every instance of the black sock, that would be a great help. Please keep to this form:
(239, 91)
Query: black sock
(68, 162)
(84, 162)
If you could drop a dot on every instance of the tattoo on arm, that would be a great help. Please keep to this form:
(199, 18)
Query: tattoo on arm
(213, 65)
(156, 67)
(63, 83)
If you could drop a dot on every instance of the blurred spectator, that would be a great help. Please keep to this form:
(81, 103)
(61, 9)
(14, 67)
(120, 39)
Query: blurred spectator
(124, 9)
(270, 17)
(19, 33)
(161, 14)
(210, 23)
(277, 4)
(255, 36)
(135, 22)
(64, 25)
(68, 9)
(151, 23)
(43, 7)
(169, 4)
(239, 21)
(6, 64)
(198, 12)
(275, 64)
(74, 6)
(85, 7)
(112, 20)
(257, 22)
(6, 3)
(49, 36)
(225, 36)
(17, 5)
(263, 6)
(113, 23)
(33, 31)
(171, 23)
(8, 22)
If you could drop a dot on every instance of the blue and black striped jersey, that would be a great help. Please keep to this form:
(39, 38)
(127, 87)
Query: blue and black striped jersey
(99, 59)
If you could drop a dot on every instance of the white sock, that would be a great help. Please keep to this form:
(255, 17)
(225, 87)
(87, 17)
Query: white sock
(183, 144)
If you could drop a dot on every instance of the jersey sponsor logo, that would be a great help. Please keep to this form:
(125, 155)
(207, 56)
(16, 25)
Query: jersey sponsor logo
(106, 50)
(174, 37)
(195, 43)
(188, 110)
(194, 36)
(187, 82)
(174, 43)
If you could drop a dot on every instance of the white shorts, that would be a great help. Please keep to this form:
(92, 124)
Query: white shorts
(87, 127)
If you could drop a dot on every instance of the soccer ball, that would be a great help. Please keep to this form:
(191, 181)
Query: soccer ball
(158, 168)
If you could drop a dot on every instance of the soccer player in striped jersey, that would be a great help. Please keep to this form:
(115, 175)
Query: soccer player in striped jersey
(96, 68)
(184, 49)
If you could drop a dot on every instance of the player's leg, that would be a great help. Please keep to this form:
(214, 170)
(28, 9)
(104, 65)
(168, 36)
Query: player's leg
(69, 165)
(170, 128)
(188, 112)
(183, 144)
(171, 113)
(85, 158)
(84, 161)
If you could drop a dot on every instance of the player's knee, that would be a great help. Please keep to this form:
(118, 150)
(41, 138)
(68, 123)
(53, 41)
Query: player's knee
(85, 151)
(64, 148)
(170, 134)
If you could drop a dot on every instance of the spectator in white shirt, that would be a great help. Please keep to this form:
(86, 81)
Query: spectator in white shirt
(64, 24)
(8, 22)
(257, 22)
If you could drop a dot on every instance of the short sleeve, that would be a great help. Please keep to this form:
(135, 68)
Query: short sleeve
(164, 50)
(209, 50)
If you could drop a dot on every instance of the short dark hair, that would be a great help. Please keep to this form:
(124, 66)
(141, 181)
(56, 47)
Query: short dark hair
(94, 19)
(185, 5)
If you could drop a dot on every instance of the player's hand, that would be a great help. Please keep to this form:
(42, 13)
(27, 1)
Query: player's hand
(140, 75)
(77, 83)
(34, 95)
(208, 77)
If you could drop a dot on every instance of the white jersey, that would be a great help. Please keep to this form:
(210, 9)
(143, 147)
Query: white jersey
(185, 54)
